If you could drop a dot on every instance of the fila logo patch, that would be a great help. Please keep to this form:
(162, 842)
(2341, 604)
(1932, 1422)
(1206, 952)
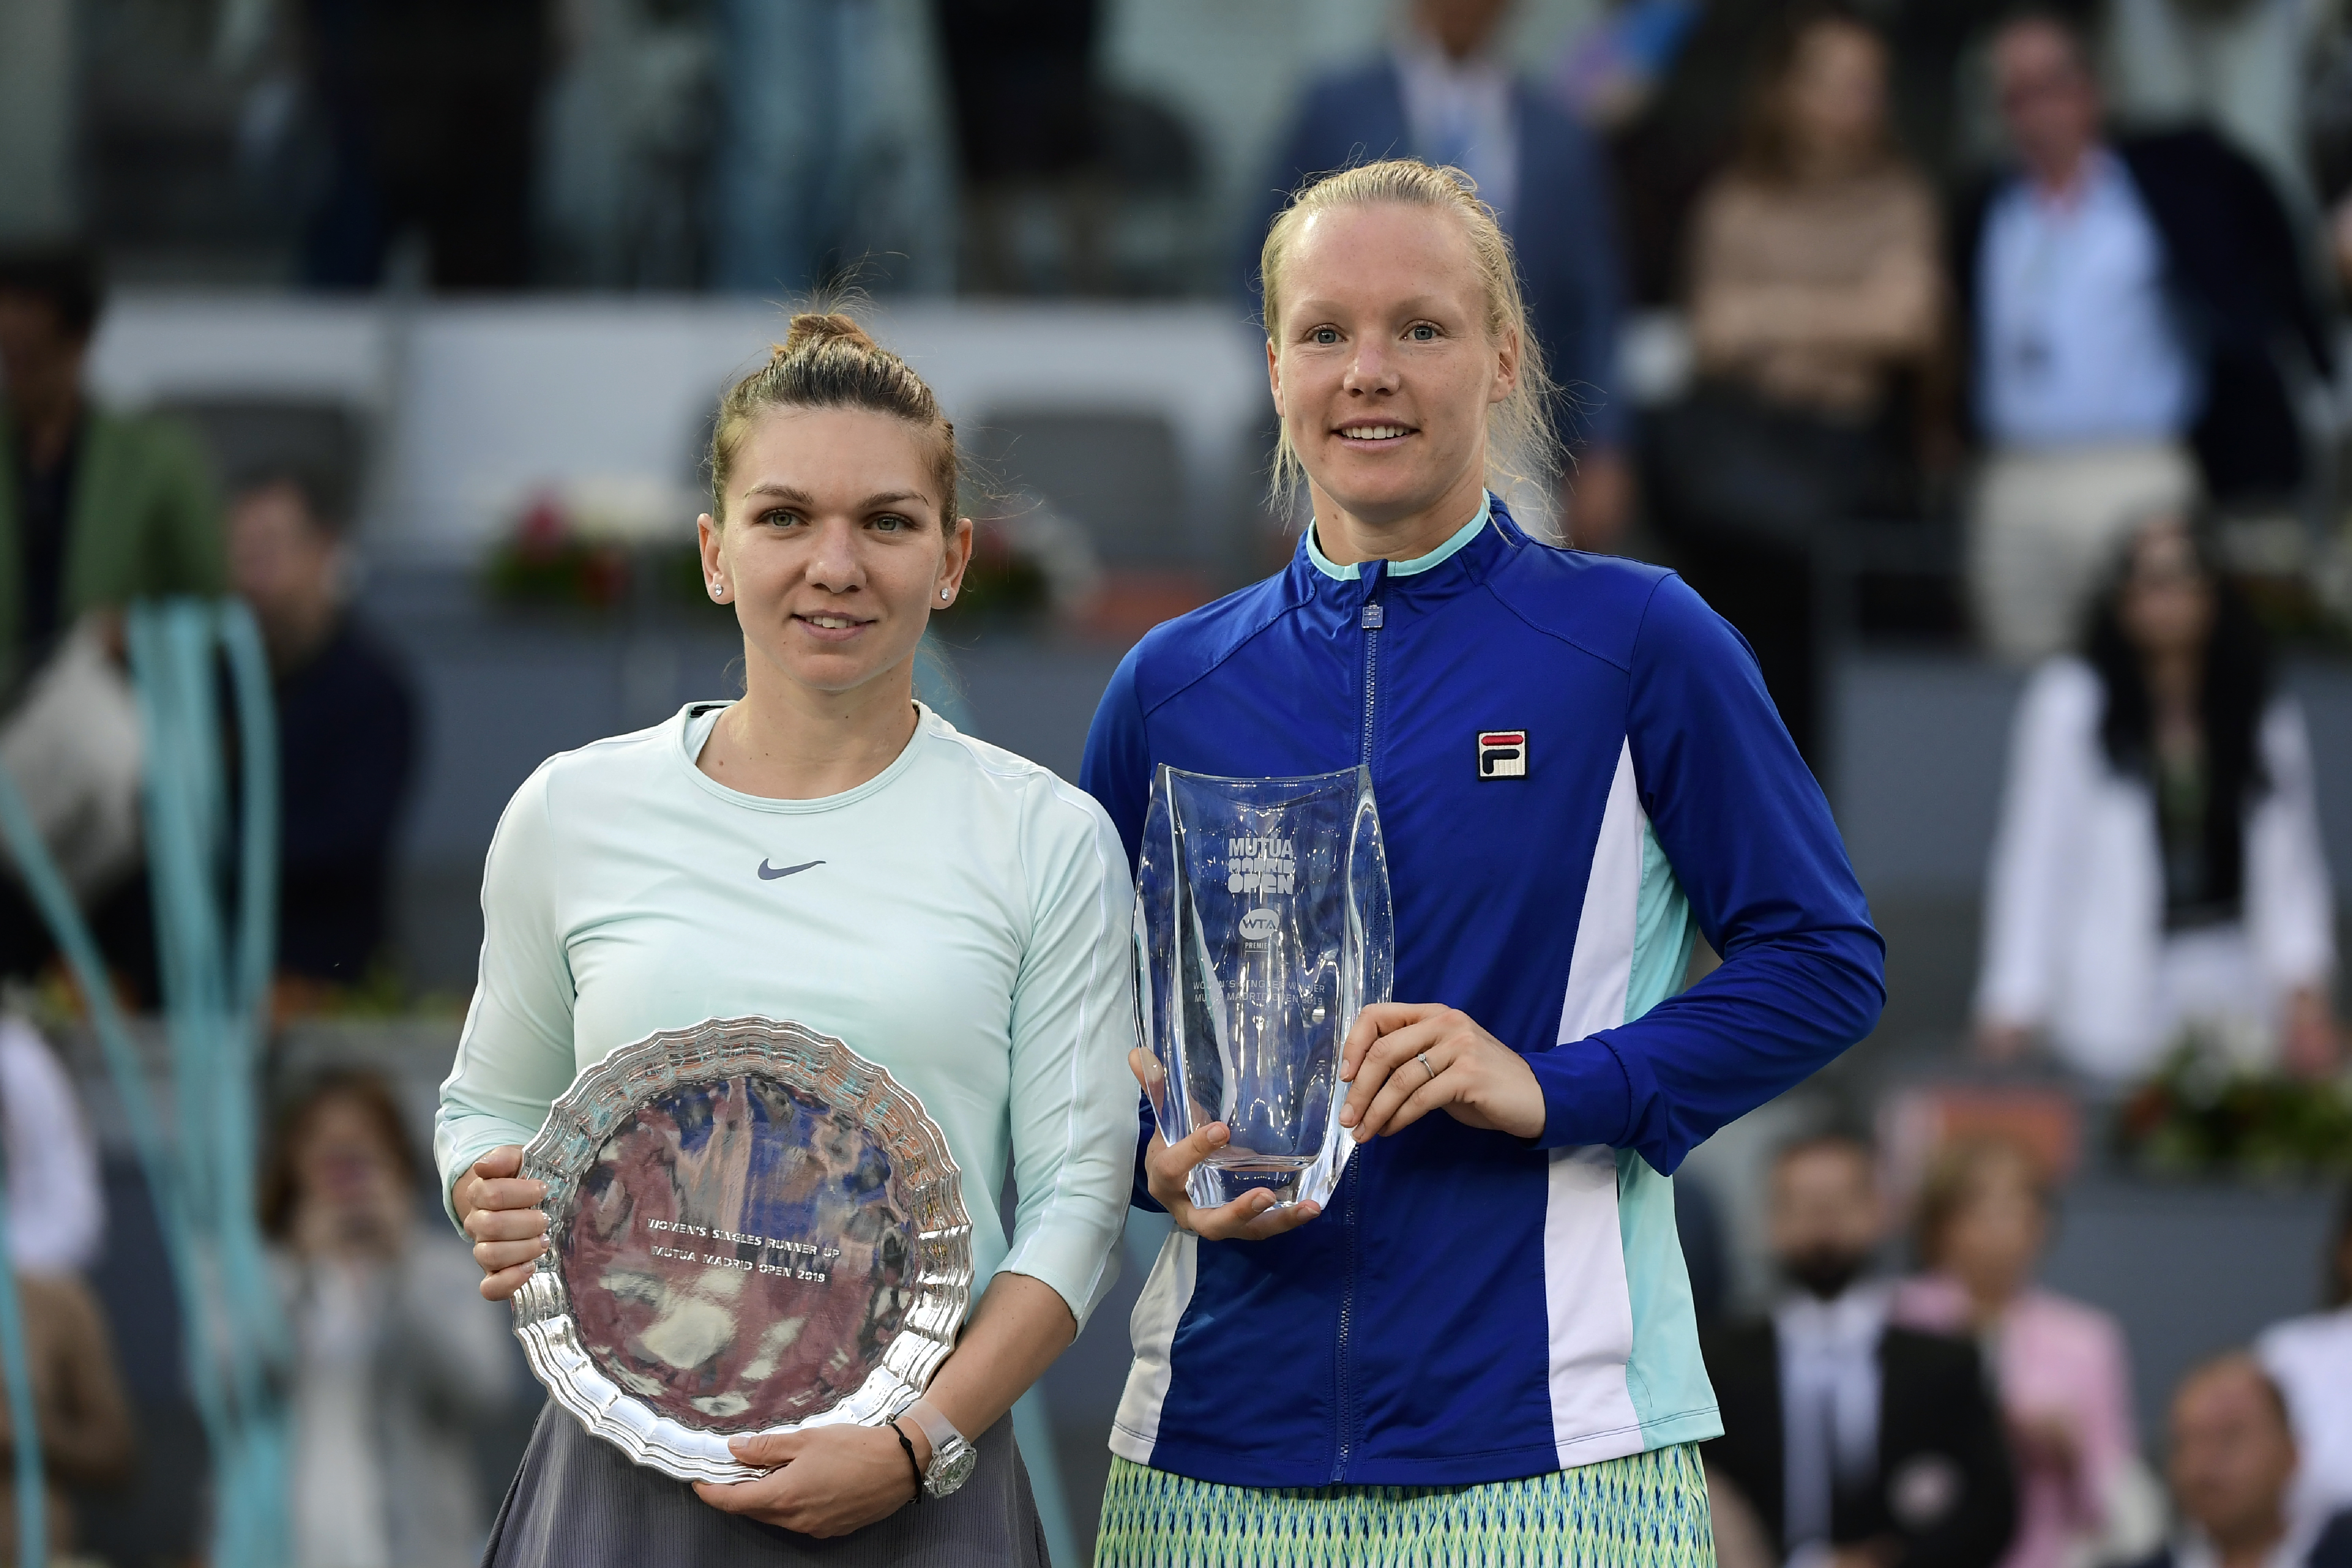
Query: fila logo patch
(1502, 754)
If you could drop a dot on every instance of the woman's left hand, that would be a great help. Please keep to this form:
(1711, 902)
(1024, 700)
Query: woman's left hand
(827, 1481)
(1405, 1060)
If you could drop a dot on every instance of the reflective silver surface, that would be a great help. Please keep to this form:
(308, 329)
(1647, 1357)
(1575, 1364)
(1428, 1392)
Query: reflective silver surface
(1263, 927)
(753, 1229)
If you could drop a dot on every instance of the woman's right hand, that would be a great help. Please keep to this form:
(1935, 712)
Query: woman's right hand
(499, 1209)
(1250, 1217)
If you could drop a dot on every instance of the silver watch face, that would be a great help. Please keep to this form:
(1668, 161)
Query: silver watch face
(950, 1468)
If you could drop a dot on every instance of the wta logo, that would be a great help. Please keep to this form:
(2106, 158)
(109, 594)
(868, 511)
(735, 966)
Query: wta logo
(1257, 926)
(1502, 754)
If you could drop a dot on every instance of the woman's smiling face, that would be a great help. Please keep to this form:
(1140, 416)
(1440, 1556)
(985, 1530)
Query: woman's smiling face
(1382, 369)
(832, 549)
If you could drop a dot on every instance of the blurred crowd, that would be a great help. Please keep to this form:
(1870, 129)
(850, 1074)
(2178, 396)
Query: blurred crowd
(2084, 345)
(1961, 1415)
(394, 1360)
(101, 507)
(2056, 284)
(392, 1371)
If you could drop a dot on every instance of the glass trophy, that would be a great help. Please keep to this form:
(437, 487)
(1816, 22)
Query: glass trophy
(1262, 929)
(753, 1229)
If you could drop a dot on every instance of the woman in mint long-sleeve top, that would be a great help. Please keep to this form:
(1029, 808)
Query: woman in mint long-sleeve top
(828, 851)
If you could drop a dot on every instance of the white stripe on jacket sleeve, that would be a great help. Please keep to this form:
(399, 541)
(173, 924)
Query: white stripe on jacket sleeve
(1587, 1302)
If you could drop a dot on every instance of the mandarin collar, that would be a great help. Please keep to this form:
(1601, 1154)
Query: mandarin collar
(1467, 557)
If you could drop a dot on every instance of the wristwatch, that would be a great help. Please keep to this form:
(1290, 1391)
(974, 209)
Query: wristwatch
(953, 1459)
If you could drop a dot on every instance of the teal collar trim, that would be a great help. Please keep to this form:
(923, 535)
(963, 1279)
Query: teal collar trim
(1418, 564)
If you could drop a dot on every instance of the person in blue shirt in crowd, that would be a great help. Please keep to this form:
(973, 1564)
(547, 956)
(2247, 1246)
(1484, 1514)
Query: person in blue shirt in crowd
(2136, 310)
(1442, 94)
(1486, 1345)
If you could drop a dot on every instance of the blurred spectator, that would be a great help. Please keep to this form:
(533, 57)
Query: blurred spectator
(2311, 1358)
(1685, 129)
(84, 1421)
(431, 108)
(1814, 290)
(2062, 1372)
(56, 1207)
(397, 1359)
(830, 157)
(57, 1220)
(1442, 94)
(2232, 1458)
(631, 128)
(346, 724)
(96, 507)
(2158, 864)
(1071, 183)
(1023, 76)
(100, 507)
(2125, 303)
(1026, 118)
(1853, 1441)
(1815, 274)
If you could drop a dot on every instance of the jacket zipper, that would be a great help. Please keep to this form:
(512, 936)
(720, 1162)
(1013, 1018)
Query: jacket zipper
(1370, 618)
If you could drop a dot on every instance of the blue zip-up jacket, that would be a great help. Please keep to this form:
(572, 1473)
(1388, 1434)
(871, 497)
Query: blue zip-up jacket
(1576, 767)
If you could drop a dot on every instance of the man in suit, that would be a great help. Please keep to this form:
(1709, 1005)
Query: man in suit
(2126, 302)
(1442, 94)
(2233, 1460)
(1854, 1443)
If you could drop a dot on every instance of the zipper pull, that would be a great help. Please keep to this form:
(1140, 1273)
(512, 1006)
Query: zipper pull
(1374, 614)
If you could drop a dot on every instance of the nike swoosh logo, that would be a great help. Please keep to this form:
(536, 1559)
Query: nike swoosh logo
(769, 873)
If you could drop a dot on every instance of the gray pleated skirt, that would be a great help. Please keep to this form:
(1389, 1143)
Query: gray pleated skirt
(577, 1503)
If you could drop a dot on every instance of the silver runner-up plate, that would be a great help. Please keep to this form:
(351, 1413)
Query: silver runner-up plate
(753, 1229)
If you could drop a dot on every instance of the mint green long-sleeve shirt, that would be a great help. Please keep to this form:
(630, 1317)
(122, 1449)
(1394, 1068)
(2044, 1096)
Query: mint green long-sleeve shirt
(962, 919)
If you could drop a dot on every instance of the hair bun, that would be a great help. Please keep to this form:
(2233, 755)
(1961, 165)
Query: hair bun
(810, 330)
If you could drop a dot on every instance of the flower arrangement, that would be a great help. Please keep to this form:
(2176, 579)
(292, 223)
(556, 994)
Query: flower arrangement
(1028, 563)
(2212, 1111)
(546, 561)
(580, 545)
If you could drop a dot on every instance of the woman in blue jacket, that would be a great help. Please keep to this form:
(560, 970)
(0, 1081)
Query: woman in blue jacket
(1485, 1351)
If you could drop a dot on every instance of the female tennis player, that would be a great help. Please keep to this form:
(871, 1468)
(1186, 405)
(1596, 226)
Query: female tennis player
(1485, 1351)
(824, 850)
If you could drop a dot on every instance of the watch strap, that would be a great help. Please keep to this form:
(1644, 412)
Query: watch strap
(936, 1427)
(916, 1465)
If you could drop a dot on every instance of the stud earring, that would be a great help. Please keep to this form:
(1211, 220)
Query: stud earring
(716, 591)
(943, 595)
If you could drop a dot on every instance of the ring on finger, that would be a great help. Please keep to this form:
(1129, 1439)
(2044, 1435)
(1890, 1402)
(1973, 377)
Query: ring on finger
(1423, 1057)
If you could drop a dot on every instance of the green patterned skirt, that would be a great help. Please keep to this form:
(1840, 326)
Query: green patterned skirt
(1645, 1510)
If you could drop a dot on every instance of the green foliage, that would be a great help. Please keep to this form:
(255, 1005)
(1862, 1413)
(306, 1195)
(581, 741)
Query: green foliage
(2202, 1116)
